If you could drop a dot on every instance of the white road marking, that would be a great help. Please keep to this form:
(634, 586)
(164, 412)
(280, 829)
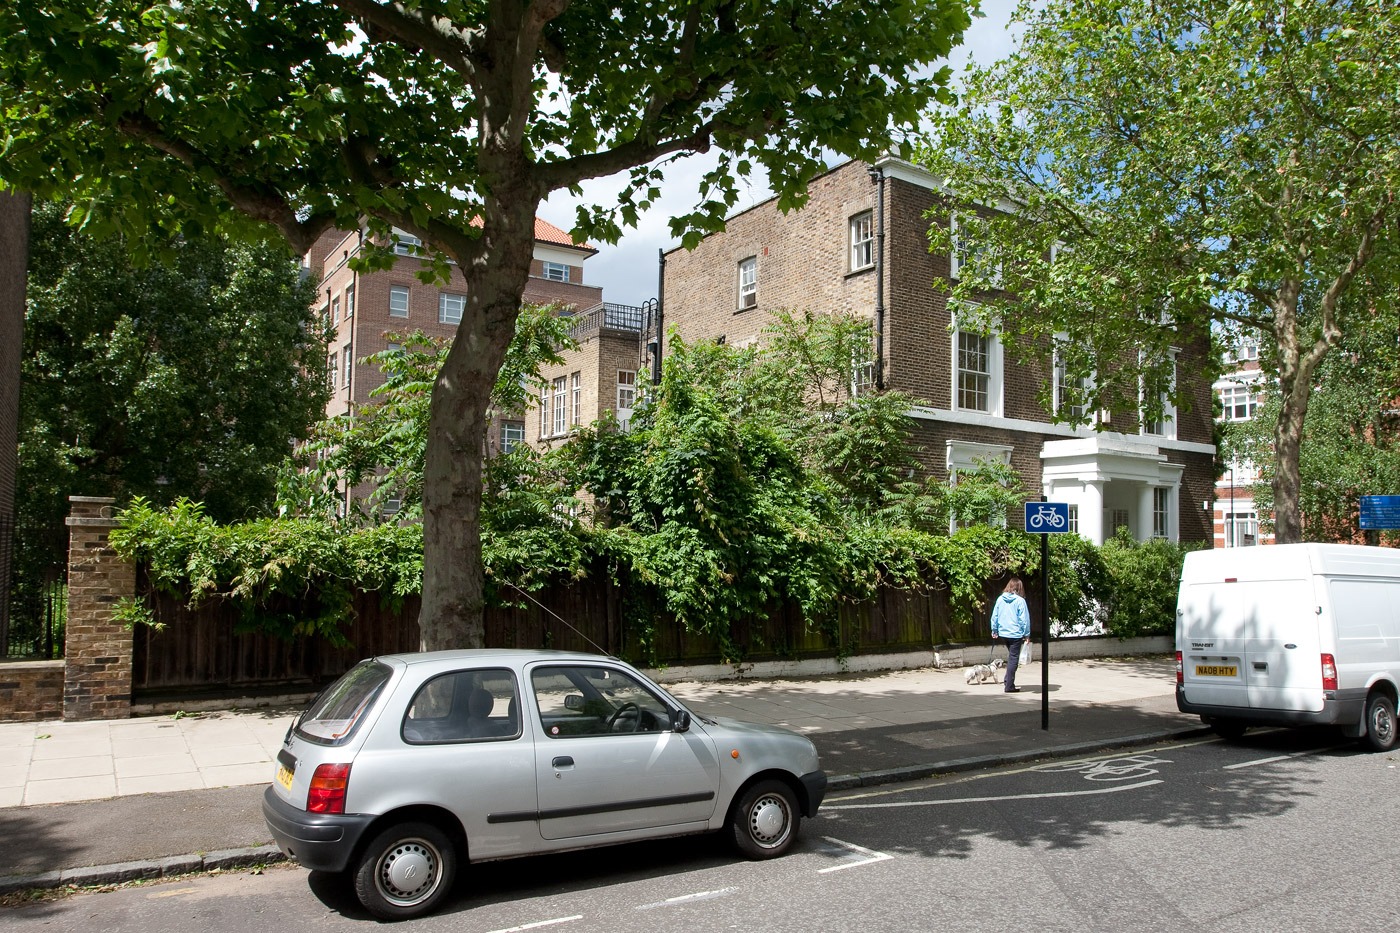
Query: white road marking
(686, 898)
(1112, 769)
(935, 803)
(871, 856)
(1266, 761)
(539, 923)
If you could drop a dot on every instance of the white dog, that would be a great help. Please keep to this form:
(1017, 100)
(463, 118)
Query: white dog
(985, 673)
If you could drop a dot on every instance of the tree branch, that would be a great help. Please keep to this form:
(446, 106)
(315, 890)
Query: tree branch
(458, 48)
(256, 203)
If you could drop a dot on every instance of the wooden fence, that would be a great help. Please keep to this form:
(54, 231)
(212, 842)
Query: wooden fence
(201, 653)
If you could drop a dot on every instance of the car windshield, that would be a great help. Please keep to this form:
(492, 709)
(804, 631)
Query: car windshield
(333, 715)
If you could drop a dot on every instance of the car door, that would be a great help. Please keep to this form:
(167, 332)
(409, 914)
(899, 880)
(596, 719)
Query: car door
(607, 760)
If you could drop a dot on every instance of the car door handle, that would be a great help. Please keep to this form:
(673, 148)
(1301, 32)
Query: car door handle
(1261, 665)
(564, 761)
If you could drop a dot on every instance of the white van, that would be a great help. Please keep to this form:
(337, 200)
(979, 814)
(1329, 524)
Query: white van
(1291, 634)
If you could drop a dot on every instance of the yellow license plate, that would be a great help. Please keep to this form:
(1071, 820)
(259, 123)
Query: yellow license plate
(1215, 670)
(284, 777)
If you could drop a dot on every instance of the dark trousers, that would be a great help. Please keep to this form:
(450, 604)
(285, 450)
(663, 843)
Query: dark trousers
(1013, 657)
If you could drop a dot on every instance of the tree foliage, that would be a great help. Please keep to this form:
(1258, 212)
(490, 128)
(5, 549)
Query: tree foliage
(450, 121)
(1173, 166)
(189, 377)
(1351, 441)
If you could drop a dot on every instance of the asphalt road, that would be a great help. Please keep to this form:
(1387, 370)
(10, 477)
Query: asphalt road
(1284, 831)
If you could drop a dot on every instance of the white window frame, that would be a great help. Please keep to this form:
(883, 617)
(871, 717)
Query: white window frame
(397, 292)
(555, 271)
(994, 372)
(335, 308)
(576, 390)
(1086, 384)
(1166, 428)
(1233, 395)
(958, 251)
(348, 363)
(963, 455)
(862, 378)
(861, 237)
(544, 410)
(1073, 527)
(626, 391)
(1239, 525)
(1161, 513)
(450, 305)
(560, 405)
(512, 435)
(349, 302)
(748, 283)
(406, 244)
(333, 370)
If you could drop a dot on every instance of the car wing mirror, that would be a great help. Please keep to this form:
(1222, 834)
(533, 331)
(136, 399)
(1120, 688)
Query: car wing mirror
(680, 721)
(573, 701)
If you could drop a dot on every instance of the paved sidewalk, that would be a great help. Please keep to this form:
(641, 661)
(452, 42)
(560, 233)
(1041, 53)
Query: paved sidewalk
(96, 793)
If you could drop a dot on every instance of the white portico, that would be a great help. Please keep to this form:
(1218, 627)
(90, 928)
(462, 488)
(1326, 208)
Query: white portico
(1113, 481)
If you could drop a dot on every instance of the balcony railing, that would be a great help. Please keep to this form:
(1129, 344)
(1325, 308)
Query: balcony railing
(626, 318)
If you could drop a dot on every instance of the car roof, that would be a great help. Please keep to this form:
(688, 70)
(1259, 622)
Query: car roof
(502, 655)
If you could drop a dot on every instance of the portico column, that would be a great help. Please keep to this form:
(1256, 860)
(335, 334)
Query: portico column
(1091, 512)
(1145, 512)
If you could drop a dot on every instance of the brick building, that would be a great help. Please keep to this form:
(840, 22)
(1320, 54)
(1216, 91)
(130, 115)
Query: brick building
(1235, 518)
(1155, 479)
(364, 307)
(604, 374)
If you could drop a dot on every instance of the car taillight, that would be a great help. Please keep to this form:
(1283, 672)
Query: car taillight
(1180, 671)
(1329, 672)
(327, 791)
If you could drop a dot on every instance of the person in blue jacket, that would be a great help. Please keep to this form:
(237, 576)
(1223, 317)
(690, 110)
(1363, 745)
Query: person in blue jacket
(1011, 625)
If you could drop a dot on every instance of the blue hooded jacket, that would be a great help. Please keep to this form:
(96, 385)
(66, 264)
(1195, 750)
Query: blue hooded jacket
(1010, 617)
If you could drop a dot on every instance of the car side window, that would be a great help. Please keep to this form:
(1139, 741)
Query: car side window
(587, 700)
(464, 706)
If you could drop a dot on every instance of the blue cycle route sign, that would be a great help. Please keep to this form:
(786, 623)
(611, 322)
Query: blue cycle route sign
(1047, 517)
(1379, 512)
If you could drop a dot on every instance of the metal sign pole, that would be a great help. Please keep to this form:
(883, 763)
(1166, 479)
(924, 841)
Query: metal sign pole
(1044, 628)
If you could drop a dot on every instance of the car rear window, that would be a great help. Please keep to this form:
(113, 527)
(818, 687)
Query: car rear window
(332, 717)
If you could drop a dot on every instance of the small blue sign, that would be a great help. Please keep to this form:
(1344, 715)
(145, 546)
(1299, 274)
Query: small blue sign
(1379, 512)
(1047, 517)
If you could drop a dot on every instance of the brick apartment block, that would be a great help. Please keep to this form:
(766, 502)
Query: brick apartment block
(366, 307)
(1156, 484)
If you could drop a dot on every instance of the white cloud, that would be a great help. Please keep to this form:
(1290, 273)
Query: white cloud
(627, 271)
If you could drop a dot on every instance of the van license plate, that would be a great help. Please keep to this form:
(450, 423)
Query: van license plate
(284, 777)
(1210, 670)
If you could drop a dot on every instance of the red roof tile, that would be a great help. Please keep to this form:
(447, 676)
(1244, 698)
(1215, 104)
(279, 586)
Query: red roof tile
(546, 232)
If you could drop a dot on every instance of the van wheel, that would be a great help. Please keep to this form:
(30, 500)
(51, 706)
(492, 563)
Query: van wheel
(1231, 729)
(405, 871)
(1380, 722)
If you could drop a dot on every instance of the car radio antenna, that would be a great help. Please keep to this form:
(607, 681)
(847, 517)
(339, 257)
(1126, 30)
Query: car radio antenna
(556, 615)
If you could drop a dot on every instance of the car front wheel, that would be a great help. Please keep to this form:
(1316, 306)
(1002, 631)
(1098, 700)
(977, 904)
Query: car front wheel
(406, 871)
(765, 820)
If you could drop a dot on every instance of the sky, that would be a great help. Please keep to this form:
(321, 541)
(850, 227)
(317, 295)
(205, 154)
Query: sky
(627, 270)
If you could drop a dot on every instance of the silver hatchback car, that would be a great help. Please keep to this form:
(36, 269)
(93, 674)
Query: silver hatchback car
(411, 764)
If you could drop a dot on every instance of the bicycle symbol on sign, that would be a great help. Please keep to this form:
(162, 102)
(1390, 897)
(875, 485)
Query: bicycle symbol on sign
(1045, 518)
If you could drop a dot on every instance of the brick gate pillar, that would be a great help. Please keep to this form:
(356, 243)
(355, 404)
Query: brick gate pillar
(97, 676)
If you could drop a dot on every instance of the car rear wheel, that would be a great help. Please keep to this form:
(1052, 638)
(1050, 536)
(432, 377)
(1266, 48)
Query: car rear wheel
(1230, 729)
(1380, 722)
(764, 821)
(406, 871)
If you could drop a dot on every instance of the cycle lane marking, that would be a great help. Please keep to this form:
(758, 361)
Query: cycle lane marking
(687, 898)
(1267, 761)
(1041, 796)
(539, 923)
(867, 856)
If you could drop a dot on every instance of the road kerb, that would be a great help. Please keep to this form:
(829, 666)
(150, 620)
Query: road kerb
(95, 875)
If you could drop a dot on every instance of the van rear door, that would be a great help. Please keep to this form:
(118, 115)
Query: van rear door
(1283, 654)
(1212, 638)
